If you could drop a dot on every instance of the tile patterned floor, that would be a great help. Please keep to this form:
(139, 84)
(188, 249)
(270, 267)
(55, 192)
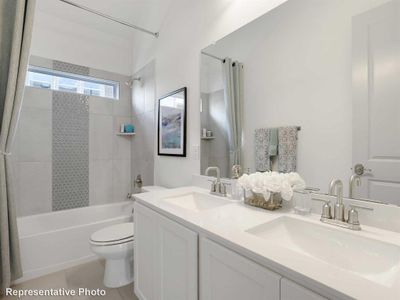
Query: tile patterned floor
(89, 275)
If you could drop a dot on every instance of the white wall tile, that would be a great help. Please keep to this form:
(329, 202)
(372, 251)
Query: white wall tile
(148, 137)
(34, 188)
(92, 198)
(91, 137)
(144, 119)
(138, 99)
(122, 107)
(121, 179)
(37, 98)
(110, 165)
(148, 172)
(144, 168)
(34, 135)
(99, 105)
(102, 134)
(121, 144)
(137, 148)
(150, 95)
(40, 62)
(102, 185)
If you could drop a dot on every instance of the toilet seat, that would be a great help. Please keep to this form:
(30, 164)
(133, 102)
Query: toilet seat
(113, 235)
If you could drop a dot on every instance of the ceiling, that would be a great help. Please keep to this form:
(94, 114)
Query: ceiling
(148, 14)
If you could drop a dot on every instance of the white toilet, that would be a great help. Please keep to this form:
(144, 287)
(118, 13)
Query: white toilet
(115, 245)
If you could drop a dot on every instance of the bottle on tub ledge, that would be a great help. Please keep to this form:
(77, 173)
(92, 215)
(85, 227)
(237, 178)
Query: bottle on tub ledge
(138, 184)
(127, 128)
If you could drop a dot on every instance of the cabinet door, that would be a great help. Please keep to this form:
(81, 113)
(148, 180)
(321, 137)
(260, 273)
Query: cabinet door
(226, 275)
(145, 252)
(293, 291)
(177, 261)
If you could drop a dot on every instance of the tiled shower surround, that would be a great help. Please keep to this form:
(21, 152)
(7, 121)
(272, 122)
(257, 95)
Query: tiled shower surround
(70, 145)
(67, 154)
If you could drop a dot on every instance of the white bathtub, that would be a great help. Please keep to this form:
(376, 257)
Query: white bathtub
(54, 241)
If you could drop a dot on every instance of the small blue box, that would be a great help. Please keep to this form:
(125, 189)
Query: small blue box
(129, 128)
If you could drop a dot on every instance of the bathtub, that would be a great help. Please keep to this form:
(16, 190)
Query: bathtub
(54, 241)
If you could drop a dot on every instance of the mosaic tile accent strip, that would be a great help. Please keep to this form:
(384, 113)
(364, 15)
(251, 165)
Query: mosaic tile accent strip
(70, 145)
(70, 68)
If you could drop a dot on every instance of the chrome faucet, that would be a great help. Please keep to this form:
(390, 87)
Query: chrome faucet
(338, 211)
(338, 218)
(354, 180)
(217, 187)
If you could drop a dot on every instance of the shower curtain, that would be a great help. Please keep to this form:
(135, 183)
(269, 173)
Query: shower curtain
(16, 21)
(233, 95)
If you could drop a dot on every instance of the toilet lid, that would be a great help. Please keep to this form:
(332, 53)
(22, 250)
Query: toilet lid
(114, 233)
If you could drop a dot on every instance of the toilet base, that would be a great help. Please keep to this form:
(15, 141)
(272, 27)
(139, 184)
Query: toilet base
(118, 272)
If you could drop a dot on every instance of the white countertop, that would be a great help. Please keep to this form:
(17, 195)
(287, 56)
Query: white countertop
(228, 224)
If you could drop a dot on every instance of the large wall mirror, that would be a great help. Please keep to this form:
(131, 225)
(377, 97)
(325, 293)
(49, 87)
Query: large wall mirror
(329, 68)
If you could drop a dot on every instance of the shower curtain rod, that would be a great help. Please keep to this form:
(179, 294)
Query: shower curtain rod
(213, 56)
(155, 34)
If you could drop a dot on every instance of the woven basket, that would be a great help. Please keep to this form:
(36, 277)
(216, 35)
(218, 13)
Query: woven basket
(258, 200)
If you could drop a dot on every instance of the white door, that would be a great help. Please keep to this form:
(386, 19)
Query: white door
(376, 101)
(145, 252)
(178, 259)
(226, 275)
(293, 291)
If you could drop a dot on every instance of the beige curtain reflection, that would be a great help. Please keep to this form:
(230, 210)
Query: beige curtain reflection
(16, 21)
(233, 94)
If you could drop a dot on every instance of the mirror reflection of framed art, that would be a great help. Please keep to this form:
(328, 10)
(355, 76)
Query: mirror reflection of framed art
(172, 123)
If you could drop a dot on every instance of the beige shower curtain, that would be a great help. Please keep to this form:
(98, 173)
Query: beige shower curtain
(232, 72)
(16, 21)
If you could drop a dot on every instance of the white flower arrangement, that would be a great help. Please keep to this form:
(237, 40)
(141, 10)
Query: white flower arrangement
(272, 182)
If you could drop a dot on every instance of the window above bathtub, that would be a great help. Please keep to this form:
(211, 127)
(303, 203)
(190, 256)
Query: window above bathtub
(44, 78)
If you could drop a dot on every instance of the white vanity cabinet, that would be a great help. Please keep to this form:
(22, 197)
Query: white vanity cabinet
(293, 291)
(165, 258)
(224, 274)
(169, 258)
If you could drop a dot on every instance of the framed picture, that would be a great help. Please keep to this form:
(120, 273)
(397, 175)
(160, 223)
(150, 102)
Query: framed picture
(172, 124)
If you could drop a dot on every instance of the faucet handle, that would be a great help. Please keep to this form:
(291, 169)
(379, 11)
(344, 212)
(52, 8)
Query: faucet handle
(326, 211)
(213, 188)
(352, 217)
(223, 189)
(326, 208)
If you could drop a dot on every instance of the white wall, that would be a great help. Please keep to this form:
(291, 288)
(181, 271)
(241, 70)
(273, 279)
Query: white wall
(143, 115)
(60, 39)
(296, 78)
(190, 26)
(297, 71)
(301, 75)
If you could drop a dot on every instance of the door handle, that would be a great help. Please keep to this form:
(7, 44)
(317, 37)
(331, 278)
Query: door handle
(359, 169)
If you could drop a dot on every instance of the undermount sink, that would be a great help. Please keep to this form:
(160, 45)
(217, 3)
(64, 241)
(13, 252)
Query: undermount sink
(369, 258)
(197, 201)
